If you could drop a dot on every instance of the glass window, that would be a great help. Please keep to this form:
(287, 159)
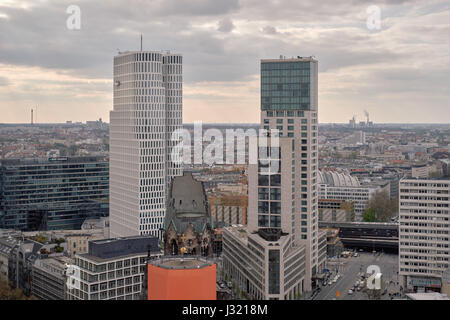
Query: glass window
(263, 180)
(263, 221)
(275, 194)
(275, 207)
(263, 193)
(263, 207)
(275, 221)
(275, 179)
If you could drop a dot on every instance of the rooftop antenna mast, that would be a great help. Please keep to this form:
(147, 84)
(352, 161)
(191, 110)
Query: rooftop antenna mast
(141, 42)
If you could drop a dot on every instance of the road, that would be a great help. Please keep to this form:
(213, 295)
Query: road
(349, 269)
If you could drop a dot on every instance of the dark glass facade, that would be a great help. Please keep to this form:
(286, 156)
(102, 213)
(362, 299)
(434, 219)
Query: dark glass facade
(52, 194)
(269, 188)
(286, 85)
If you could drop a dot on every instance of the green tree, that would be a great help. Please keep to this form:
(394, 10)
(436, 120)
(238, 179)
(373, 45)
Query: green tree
(369, 215)
(384, 207)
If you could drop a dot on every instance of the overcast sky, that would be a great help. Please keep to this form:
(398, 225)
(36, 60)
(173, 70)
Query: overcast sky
(398, 73)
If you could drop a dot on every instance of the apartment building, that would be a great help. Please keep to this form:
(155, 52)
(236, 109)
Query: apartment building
(424, 232)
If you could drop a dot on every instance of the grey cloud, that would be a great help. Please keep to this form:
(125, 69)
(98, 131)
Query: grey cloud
(269, 30)
(225, 25)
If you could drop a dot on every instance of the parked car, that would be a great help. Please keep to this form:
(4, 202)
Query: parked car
(350, 291)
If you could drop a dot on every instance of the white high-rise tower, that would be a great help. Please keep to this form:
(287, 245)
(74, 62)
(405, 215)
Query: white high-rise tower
(147, 110)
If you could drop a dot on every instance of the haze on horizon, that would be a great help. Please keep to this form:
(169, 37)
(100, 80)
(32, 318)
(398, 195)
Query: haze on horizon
(399, 73)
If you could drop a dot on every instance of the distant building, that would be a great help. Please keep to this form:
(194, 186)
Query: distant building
(331, 210)
(52, 194)
(424, 243)
(188, 223)
(182, 278)
(114, 269)
(49, 278)
(342, 186)
(20, 264)
(229, 209)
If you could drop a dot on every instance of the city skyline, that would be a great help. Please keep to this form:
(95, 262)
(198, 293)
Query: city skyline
(381, 70)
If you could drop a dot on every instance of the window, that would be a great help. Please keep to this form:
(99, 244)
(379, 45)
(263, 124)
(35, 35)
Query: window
(263, 221)
(263, 193)
(275, 194)
(275, 208)
(263, 207)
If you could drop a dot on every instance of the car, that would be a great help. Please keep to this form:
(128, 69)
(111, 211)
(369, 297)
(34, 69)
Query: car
(229, 284)
(222, 285)
(356, 254)
(374, 251)
(324, 283)
(350, 291)
(361, 250)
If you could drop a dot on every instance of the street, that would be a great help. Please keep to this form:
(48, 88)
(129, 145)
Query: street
(350, 270)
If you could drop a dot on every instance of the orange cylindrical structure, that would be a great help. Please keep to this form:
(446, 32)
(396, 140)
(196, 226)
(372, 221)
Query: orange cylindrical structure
(181, 283)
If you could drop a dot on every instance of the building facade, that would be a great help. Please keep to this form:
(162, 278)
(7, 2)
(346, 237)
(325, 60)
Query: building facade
(114, 269)
(49, 278)
(283, 193)
(147, 110)
(182, 278)
(54, 193)
(424, 232)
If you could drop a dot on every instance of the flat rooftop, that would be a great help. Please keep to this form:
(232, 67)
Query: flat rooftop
(182, 262)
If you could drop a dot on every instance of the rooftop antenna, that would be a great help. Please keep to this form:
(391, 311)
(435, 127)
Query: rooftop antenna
(141, 42)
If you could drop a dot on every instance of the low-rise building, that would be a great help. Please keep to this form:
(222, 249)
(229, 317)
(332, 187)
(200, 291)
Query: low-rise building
(114, 269)
(49, 277)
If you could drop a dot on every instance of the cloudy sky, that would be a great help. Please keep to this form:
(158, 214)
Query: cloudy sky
(398, 73)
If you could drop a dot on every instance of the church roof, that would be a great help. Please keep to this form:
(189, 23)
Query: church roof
(187, 204)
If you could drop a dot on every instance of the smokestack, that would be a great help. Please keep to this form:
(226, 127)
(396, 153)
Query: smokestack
(31, 116)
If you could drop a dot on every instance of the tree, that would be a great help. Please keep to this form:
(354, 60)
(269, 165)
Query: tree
(369, 215)
(7, 293)
(383, 206)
